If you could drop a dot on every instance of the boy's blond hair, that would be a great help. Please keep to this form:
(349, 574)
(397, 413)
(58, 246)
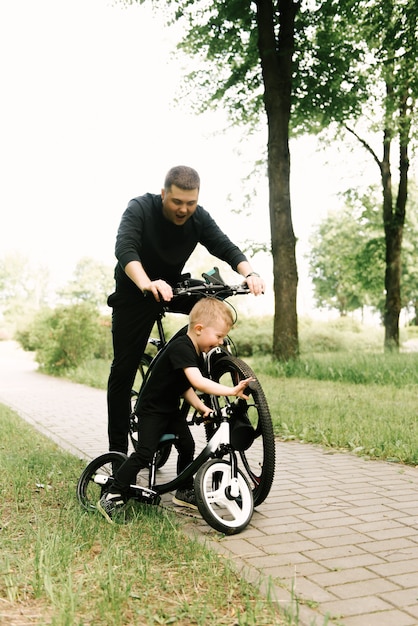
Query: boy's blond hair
(209, 310)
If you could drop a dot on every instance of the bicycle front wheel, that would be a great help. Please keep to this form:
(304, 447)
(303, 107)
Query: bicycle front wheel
(97, 478)
(225, 506)
(257, 462)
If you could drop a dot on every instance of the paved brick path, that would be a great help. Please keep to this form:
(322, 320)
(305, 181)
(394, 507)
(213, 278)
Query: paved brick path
(340, 531)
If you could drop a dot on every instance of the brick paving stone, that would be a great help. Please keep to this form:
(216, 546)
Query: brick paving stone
(409, 579)
(382, 618)
(350, 561)
(333, 525)
(391, 533)
(388, 545)
(392, 569)
(340, 577)
(320, 533)
(368, 587)
(308, 590)
(345, 539)
(405, 598)
(365, 607)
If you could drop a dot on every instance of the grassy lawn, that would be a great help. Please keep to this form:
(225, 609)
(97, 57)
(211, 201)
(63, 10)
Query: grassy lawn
(362, 402)
(62, 566)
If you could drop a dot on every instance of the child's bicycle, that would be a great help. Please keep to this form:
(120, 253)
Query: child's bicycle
(235, 471)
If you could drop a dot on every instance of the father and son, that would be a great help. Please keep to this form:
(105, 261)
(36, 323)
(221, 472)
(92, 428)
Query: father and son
(157, 235)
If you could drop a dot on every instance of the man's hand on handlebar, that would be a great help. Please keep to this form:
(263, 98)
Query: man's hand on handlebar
(256, 284)
(161, 290)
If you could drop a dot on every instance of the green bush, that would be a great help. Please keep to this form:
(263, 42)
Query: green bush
(253, 335)
(65, 337)
(340, 335)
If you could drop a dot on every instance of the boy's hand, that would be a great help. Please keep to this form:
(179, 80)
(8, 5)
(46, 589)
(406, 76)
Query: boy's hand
(205, 411)
(239, 389)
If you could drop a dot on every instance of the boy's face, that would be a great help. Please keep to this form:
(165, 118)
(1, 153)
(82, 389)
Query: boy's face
(212, 336)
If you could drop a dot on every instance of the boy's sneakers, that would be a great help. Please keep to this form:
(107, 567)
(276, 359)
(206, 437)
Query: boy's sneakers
(185, 497)
(109, 505)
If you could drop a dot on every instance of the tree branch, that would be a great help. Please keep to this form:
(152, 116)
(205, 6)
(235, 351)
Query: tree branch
(365, 145)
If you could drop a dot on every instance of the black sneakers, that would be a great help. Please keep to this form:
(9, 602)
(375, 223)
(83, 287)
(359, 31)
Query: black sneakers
(110, 505)
(185, 497)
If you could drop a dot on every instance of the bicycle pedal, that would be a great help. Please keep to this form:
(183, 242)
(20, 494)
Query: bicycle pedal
(144, 494)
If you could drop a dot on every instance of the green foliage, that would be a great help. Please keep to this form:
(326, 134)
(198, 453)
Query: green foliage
(343, 335)
(92, 282)
(347, 52)
(223, 35)
(23, 287)
(65, 337)
(347, 255)
(253, 335)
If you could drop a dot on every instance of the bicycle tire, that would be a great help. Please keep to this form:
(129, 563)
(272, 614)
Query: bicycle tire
(258, 461)
(89, 492)
(227, 514)
(143, 366)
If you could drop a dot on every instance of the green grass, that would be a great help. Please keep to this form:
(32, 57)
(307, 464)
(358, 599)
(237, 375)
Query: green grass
(359, 401)
(375, 421)
(62, 566)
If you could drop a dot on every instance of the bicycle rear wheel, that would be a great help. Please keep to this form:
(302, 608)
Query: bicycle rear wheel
(97, 477)
(142, 372)
(220, 507)
(258, 461)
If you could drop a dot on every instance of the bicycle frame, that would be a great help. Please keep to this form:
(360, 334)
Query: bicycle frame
(220, 441)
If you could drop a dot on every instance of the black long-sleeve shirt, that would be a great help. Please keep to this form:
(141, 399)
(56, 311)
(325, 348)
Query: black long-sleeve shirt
(162, 247)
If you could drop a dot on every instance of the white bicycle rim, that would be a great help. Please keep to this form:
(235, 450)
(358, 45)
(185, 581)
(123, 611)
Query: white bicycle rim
(226, 511)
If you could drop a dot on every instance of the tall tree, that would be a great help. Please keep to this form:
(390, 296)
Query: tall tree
(309, 66)
(363, 76)
(246, 49)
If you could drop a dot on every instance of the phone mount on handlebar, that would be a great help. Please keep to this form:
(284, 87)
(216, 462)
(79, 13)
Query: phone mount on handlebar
(213, 277)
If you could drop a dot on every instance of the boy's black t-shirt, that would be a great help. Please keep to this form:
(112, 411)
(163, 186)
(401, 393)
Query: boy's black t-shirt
(167, 381)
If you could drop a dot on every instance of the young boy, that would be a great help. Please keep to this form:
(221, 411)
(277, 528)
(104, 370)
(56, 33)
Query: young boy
(177, 373)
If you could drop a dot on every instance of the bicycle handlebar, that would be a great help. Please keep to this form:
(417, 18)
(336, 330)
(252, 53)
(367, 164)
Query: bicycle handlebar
(210, 289)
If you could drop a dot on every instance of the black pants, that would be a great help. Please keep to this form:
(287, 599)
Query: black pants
(151, 428)
(131, 327)
(132, 322)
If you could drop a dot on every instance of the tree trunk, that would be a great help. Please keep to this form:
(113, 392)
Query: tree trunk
(276, 61)
(394, 220)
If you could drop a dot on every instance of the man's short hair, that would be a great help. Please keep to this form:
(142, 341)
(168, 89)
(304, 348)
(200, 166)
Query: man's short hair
(183, 177)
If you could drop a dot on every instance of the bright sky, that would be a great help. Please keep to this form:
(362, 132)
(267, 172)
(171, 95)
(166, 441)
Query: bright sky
(87, 121)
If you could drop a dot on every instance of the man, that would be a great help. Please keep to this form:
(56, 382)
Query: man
(156, 237)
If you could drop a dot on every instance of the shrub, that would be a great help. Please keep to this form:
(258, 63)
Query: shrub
(66, 336)
(253, 336)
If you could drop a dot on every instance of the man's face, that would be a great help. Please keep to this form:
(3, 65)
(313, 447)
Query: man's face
(179, 204)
